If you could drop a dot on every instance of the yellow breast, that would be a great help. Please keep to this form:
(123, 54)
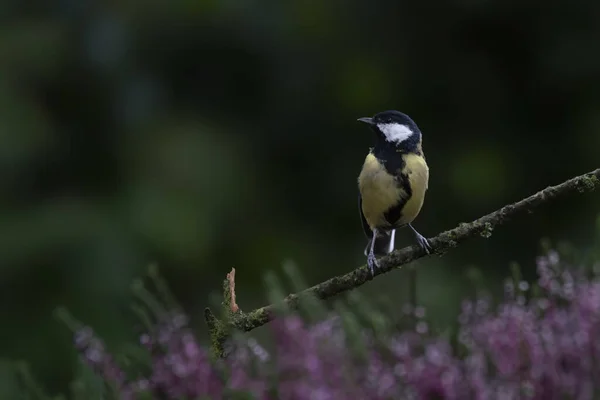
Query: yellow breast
(418, 176)
(380, 190)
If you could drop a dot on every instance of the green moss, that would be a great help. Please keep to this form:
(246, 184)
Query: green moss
(218, 331)
(226, 298)
(246, 322)
(463, 225)
(449, 236)
(218, 335)
(487, 230)
(587, 183)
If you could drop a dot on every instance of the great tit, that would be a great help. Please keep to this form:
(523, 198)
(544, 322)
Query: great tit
(392, 183)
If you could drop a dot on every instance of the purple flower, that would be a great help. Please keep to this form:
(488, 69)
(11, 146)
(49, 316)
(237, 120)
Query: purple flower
(180, 366)
(541, 348)
(93, 353)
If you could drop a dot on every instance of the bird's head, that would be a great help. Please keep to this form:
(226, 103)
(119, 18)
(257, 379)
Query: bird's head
(395, 128)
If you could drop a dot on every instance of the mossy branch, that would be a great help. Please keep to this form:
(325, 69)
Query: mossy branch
(483, 226)
(218, 329)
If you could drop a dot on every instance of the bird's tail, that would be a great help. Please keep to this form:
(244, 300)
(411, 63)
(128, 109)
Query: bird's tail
(384, 243)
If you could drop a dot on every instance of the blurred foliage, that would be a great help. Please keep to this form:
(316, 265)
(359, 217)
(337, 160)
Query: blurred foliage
(206, 135)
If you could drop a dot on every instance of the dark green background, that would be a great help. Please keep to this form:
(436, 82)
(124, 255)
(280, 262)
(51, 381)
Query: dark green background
(205, 135)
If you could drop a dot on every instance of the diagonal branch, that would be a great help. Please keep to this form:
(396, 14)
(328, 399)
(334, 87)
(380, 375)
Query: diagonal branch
(440, 244)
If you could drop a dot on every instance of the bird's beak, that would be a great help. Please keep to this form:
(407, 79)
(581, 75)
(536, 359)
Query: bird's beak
(366, 120)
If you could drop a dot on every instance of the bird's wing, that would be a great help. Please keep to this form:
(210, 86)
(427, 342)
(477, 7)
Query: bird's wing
(366, 227)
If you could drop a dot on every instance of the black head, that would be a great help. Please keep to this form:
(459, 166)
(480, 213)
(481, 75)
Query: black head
(395, 128)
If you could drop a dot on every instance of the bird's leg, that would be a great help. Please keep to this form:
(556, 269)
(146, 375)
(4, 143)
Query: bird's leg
(424, 243)
(392, 240)
(371, 260)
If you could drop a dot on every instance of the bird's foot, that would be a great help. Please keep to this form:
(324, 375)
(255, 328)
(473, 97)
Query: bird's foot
(423, 242)
(372, 263)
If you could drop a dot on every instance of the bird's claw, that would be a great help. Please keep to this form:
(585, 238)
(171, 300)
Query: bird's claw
(424, 243)
(372, 263)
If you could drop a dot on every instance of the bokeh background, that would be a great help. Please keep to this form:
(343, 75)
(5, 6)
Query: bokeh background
(205, 135)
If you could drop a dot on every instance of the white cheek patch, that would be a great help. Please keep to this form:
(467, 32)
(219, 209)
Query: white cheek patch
(396, 133)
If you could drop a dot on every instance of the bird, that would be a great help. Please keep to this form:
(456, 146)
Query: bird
(392, 183)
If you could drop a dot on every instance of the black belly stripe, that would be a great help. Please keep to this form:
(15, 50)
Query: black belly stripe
(394, 213)
(394, 163)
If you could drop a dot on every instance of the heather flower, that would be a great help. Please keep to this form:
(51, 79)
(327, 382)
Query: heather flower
(181, 368)
(93, 352)
(545, 348)
(523, 348)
